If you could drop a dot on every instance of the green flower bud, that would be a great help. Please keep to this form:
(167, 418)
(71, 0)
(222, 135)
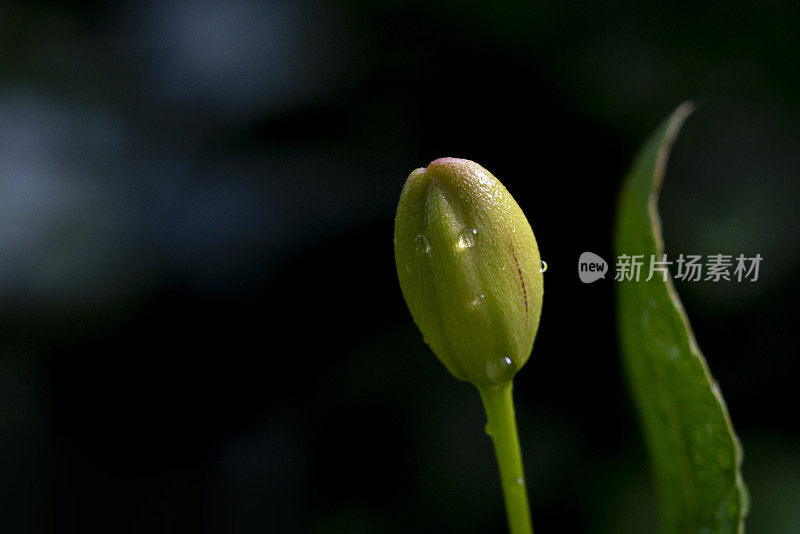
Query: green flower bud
(469, 268)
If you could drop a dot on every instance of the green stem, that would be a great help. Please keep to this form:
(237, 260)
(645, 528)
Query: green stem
(502, 428)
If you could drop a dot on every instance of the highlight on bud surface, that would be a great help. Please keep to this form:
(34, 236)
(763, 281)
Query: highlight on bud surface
(469, 269)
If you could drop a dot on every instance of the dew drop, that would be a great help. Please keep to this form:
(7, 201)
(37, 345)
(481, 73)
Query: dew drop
(476, 301)
(489, 429)
(520, 481)
(422, 244)
(466, 238)
(500, 370)
(543, 268)
(673, 353)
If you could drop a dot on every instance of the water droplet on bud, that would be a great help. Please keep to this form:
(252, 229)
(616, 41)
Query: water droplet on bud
(477, 301)
(422, 244)
(466, 238)
(500, 370)
(544, 267)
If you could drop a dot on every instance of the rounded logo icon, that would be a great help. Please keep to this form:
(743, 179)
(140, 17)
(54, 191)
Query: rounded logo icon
(591, 267)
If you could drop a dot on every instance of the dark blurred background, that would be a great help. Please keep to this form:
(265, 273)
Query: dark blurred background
(201, 325)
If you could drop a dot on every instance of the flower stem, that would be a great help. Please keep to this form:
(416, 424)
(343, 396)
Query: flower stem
(502, 428)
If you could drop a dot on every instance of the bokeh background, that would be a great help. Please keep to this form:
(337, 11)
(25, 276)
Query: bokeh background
(201, 328)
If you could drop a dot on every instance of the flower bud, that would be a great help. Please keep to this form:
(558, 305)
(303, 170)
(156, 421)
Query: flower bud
(469, 269)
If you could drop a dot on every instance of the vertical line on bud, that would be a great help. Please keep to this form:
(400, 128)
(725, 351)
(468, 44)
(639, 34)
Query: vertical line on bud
(521, 278)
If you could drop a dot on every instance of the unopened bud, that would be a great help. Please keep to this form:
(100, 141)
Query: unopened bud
(469, 269)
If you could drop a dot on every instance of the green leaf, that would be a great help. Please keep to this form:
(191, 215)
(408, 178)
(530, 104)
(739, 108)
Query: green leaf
(694, 452)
